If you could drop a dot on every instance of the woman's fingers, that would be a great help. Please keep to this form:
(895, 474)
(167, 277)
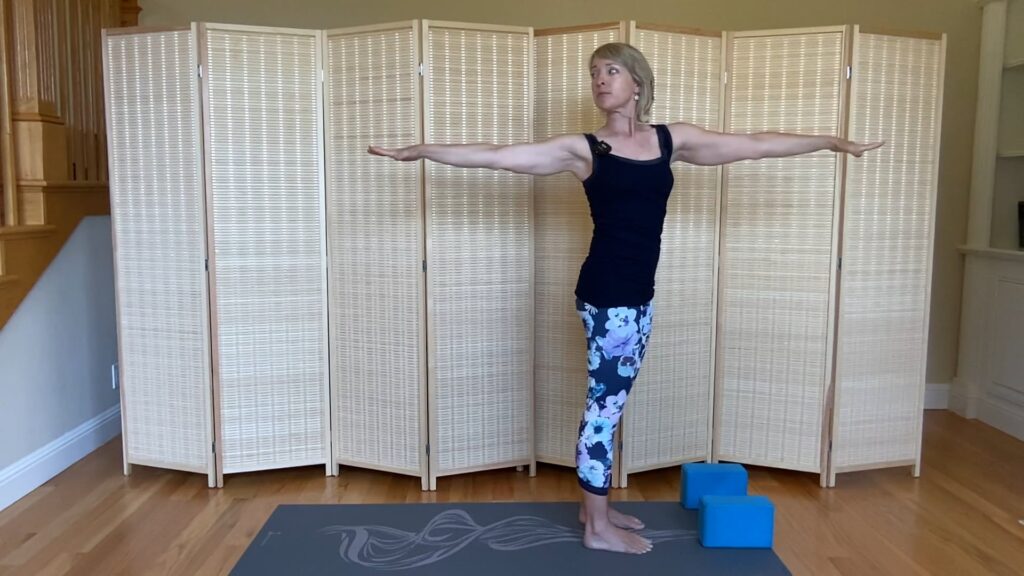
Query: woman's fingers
(378, 151)
(859, 149)
(872, 146)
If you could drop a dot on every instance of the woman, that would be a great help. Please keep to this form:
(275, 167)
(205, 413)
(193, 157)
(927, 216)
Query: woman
(625, 170)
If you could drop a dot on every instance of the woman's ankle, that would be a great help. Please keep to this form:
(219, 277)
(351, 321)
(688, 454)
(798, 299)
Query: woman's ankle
(595, 523)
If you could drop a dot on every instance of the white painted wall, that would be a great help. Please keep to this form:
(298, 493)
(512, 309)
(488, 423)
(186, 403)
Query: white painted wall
(56, 399)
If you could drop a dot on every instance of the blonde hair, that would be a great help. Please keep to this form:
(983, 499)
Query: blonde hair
(634, 61)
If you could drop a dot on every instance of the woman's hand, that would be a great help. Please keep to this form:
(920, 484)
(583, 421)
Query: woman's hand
(404, 154)
(854, 148)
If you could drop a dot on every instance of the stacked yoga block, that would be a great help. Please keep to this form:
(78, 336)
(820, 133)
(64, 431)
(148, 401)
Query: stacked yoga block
(727, 516)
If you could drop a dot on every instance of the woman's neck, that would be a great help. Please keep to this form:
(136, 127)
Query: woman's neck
(620, 124)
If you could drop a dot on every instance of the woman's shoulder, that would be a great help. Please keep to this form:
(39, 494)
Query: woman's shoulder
(573, 143)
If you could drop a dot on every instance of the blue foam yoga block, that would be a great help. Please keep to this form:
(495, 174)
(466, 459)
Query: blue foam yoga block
(736, 522)
(703, 479)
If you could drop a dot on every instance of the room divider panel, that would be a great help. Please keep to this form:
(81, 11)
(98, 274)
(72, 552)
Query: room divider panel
(778, 249)
(887, 246)
(563, 105)
(668, 418)
(478, 88)
(158, 221)
(265, 196)
(375, 211)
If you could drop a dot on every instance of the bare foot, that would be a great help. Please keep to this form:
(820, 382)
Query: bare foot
(615, 539)
(616, 518)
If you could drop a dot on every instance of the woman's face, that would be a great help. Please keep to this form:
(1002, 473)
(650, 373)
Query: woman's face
(611, 85)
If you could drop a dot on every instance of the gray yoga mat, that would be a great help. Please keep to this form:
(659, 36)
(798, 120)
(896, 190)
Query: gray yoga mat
(492, 539)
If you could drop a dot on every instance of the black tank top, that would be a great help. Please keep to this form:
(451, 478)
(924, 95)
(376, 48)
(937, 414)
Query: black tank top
(628, 200)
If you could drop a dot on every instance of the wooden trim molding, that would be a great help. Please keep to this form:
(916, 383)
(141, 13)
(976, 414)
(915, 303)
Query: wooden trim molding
(920, 34)
(130, 12)
(34, 41)
(25, 232)
(9, 199)
(27, 250)
(37, 117)
(577, 29)
(678, 29)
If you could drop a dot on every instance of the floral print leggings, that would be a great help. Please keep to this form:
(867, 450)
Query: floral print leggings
(617, 341)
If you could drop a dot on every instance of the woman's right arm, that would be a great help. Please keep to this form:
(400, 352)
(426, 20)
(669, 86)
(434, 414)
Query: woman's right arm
(566, 153)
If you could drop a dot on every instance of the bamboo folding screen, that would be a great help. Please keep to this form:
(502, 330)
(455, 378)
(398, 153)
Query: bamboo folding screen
(264, 170)
(563, 105)
(158, 217)
(778, 252)
(887, 243)
(243, 196)
(377, 308)
(479, 251)
(418, 318)
(669, 418)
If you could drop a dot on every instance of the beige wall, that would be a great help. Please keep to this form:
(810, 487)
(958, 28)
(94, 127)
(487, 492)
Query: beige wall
(1014, 32)
(1011, 112)
(960, 19)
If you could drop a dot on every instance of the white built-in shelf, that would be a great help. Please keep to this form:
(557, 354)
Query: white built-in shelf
(1014, 64)
(1011, 153)
(997, 253)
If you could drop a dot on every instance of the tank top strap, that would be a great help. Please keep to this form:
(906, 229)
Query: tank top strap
(597, 147)
(664, 140)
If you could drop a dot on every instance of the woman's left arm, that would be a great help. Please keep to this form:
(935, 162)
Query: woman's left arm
(696, 145)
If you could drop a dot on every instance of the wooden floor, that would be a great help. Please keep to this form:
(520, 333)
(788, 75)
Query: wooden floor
(963, 516)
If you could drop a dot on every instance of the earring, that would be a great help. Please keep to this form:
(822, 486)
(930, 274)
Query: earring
(636, 96)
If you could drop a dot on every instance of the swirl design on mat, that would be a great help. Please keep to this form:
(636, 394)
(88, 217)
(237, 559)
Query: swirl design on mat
(387, 548)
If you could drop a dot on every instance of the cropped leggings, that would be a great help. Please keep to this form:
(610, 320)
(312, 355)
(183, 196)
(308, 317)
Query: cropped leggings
(616, 344)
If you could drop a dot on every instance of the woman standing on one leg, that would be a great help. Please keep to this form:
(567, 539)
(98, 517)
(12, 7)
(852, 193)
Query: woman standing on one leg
(625, 170)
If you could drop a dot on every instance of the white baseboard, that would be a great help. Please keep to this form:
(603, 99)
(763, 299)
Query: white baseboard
(936, 396)
(963, 400)
(1002, 415)
(1009, 419)
(34, 470)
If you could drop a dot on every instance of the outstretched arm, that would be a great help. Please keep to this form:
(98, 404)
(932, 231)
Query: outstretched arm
(558, 154)
(696, 145)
